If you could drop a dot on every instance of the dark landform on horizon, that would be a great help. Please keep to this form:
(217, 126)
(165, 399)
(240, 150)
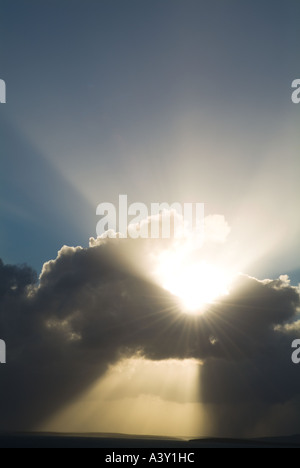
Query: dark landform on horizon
(109, 441)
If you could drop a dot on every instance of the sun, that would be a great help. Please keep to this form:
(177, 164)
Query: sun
(196, 284)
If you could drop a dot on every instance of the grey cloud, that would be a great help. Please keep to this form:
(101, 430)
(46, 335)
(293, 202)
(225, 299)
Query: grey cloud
(91, 307)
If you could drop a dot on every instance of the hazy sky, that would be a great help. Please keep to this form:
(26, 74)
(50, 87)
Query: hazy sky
(165, 101)
(161, 100)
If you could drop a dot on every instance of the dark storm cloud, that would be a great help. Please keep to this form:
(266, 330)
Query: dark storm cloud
(91, 308)
(13, 279)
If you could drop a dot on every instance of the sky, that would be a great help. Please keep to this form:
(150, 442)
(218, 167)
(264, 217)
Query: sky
(164, 101)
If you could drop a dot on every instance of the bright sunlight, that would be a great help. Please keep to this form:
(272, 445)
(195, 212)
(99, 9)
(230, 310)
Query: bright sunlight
(195, 283)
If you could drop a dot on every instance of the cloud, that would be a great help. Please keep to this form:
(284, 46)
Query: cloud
(14, 280)
(93, 307)
(216, 228)
(172, 225)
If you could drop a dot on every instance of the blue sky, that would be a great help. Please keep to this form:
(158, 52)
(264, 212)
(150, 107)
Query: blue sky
(161, 100)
